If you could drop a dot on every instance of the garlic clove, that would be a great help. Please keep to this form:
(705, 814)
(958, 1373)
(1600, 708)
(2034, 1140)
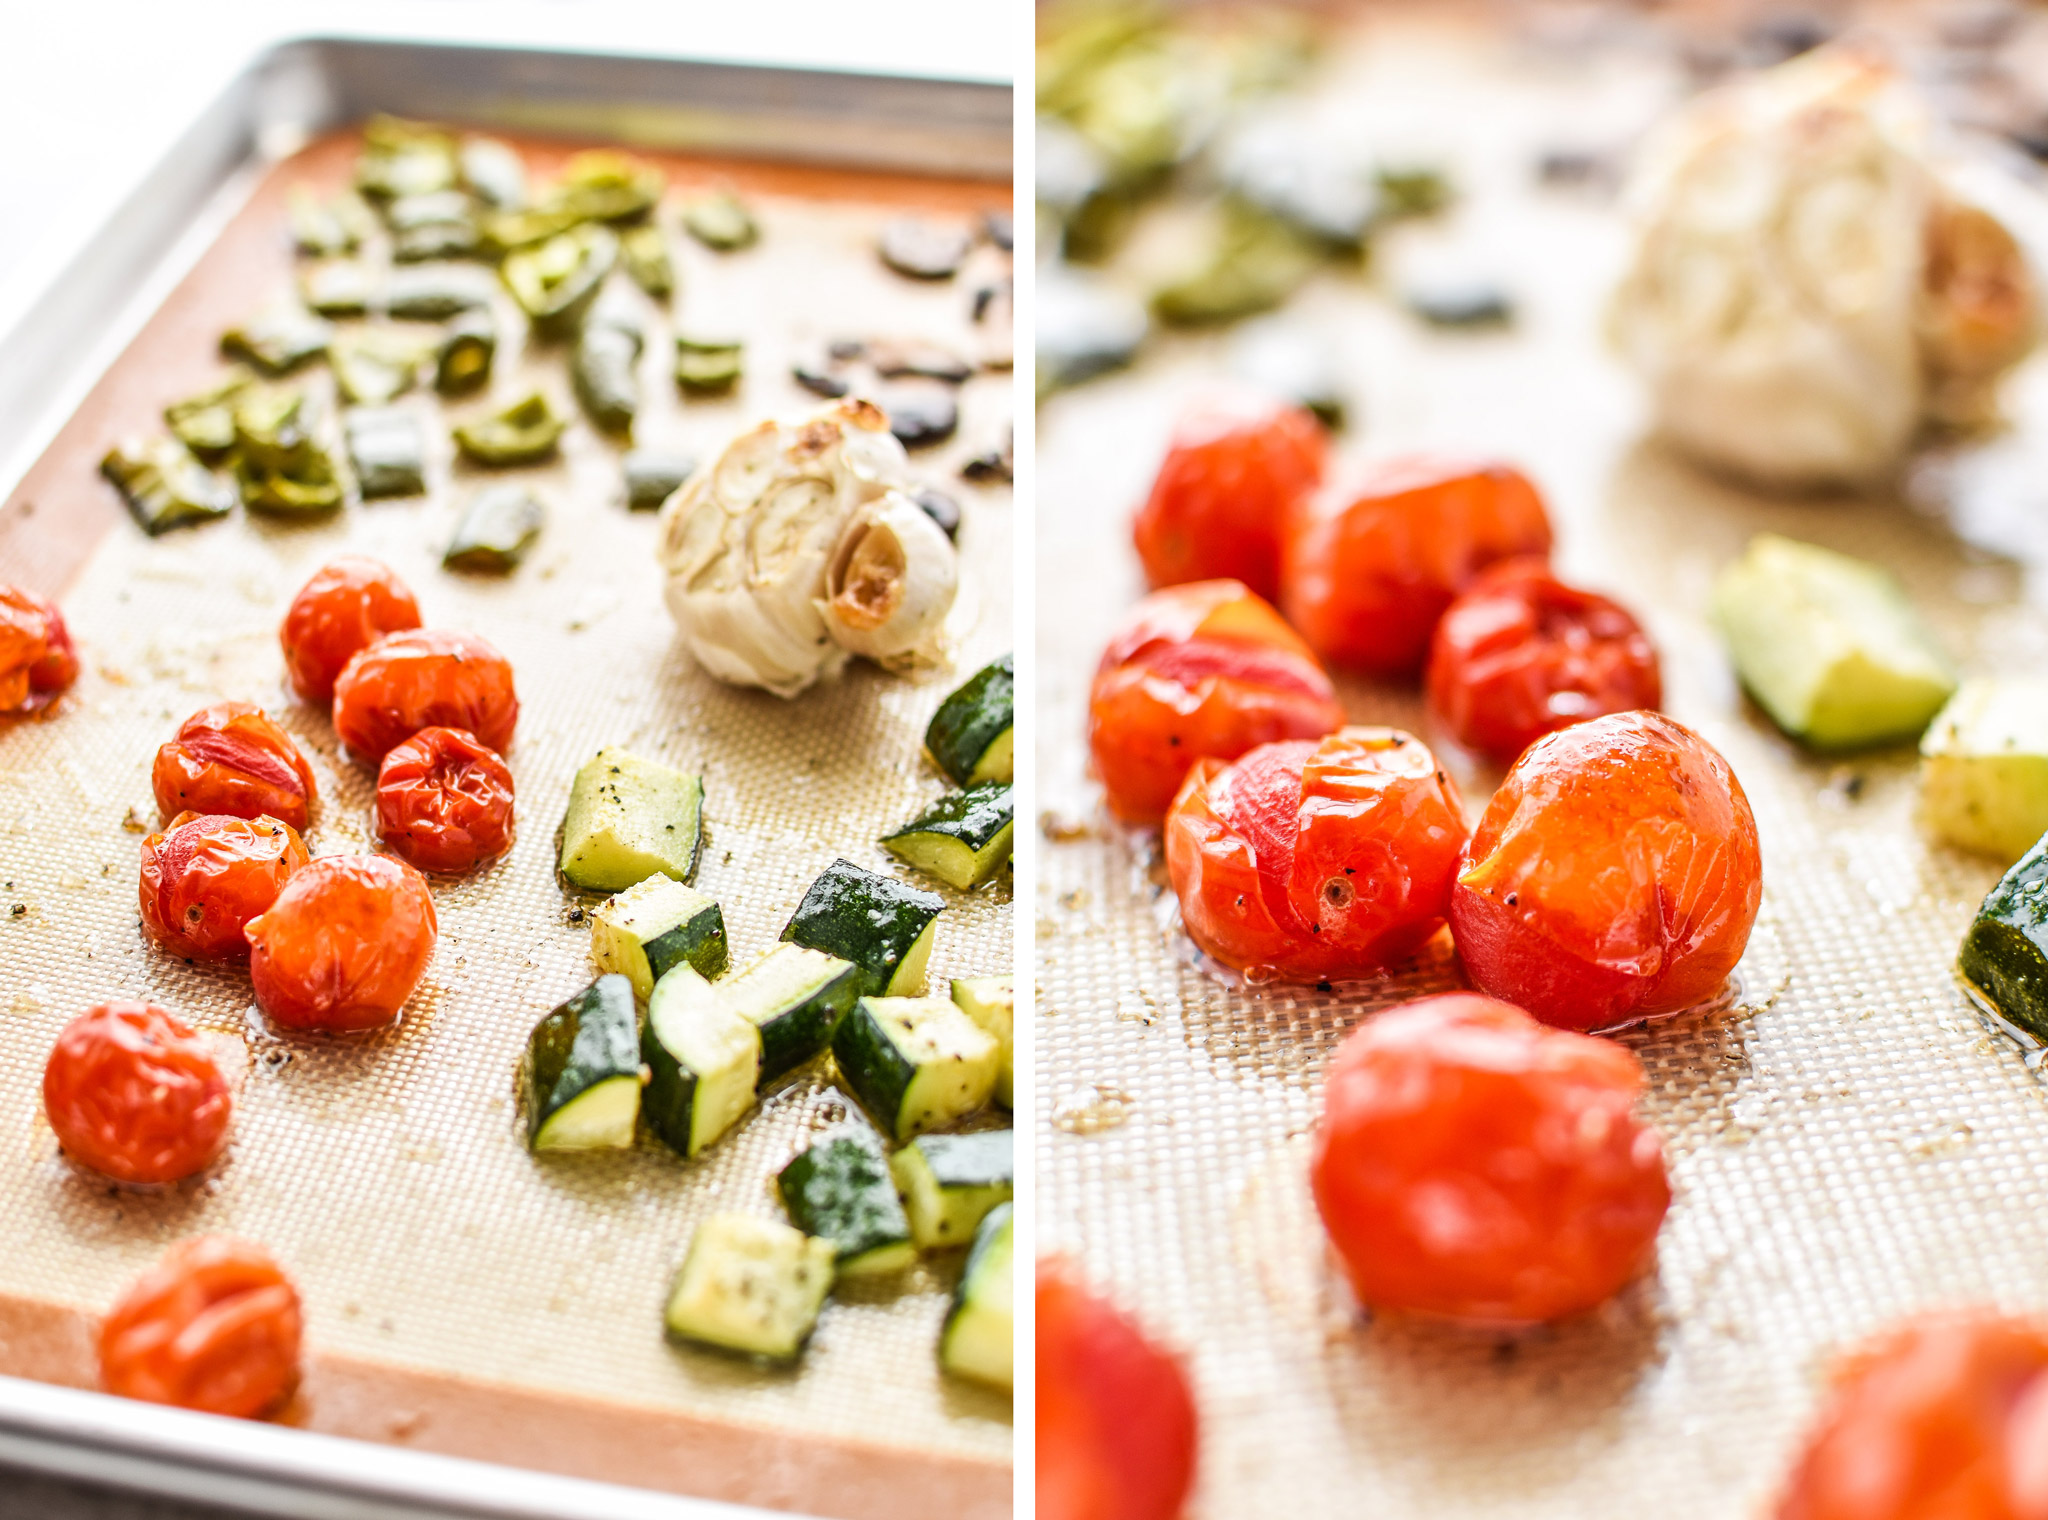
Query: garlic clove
(891, 582)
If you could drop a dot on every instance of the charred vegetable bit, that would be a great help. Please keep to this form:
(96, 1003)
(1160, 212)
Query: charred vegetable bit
(165, 487)
(373, 367)
(386, 452)
(995, 464)
(921, 413)
(403, 158)
(2005, 954)
(435, 292)
(468, 349)
(894, 359)
(279, 341)
(707, 364)
(645, 251)
(925, 250)
(522, 433)
(603, 372)
(500, 526)
(335, 288)
(555, 282)
(493, 172)
(940, 508)
(1454, 302)
(326, 228)
(205, 423)
(721, 221)
(652, 477)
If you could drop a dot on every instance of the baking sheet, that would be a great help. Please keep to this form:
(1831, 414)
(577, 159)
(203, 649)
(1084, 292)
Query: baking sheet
(1847, 1143)
(461, 1295)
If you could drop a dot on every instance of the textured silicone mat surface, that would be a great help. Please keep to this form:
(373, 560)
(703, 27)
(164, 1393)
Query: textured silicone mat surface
(1846, 1141)
(389, 1173)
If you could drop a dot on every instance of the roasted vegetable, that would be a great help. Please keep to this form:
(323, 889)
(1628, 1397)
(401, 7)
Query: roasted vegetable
(925, 250)
(878, 923)
(890, 584)
(915, 1063)
(335, 288)
(278, 341)
(2005, 955)
(972, 736)
(950, 1182)
(605, 185)
(435, 292)
(645, 251)
(522, 433)
(438, 225)
(555, 282)
(386, 451)
(164, 486)
(404, 158)
(327, 228)
(648, 930)
(603, 372)
(720, 221)
(991, 1001)
(652, 477)
(373, 367)
(796, 998)
(963, 839)
(750, 1286)
(979, 1337)
(707, 364)
(1253, 263)
(279, 465)
(1984, 766)
(840, 1190)
(493, 172)
(498, 527)
(630, 819)
(205, 423)
(703, 1061)
(468, 348)
(580, 1081)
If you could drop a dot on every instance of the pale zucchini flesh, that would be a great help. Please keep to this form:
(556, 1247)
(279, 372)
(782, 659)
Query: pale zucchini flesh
(630, 819)
(979, 1340)
(703, 1062)
(796, 998)
(658, 924)
(580, 1079)
(964, 838)
(991, 1001)
(915, 1064)
(1984, 767)
(950, 1182)
(750, 1286)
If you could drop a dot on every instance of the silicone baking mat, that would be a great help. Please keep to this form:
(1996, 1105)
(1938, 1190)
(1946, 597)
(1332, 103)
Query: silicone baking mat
(462, 1294)
(1846, 1141)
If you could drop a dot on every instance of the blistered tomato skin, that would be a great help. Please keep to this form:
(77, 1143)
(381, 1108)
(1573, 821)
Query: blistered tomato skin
(208, 874)
(344, 944)
(1230, 479)
(135, 1095)
(424, 678)
(1943, 1417)
(1115, 1419)
(37, 659)
(348, 605)
(1476, 1166)
(1372, 561)
(1202, 670)
(444, 801)
(232, 758)
(214, 1326)
(1521, 654)
(1614, 876)
(1315, 861)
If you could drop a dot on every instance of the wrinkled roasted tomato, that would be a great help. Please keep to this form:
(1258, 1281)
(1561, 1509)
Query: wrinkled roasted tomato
(444, 801)
(1230, 479)
(1520, 653)
(1474, 1165)
(1116, 1422)
(344, 944)
(1614, 876)
(1206, 669)
(347, 605)
(213, 1326)
(232, 758)
(37, 660)
(134, 1094)
(208, 874)
(1316, 860)
(1371, 562)
(424, 678)
(1945, 1418)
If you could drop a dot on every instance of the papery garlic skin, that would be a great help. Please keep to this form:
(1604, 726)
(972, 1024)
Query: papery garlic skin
(892, 581)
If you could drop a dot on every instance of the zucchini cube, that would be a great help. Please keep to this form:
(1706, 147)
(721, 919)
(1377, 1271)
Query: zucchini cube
(979, 1338)
(991, 1001)
(796, 998)
(971, 737)
(950, 1182)
(703, 1061)
(884, 927)
(2005, 954)
(1984, 767)
(963, 839)
(915, 1063)
(581, 1076)
(841, 1190)
(750, 1286)
(630, 819)
(649, 929)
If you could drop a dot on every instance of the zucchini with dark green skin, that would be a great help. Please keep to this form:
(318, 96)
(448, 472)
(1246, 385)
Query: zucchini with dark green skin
(493, 171)
(706, 365)
(978, 1341)
(629, 819)
(386, 451)
(971, 737)
(963, 839)
(648, 929)
(555, 282)
(205, 423)
(336, 288)
(645, 251)
(278, 341)
(950, 1182)
(915, 1064)
(324, 229)
(435, 292)
(165, 487)
(840, 1190)
(883, 926)
(2005, 954)
(580, 1080)
(652, 477)
(991, 1001)
(525, 432)
(468, 349)
(796, 998)
(750, 1286)
(702, 1062)
(498, 527)
(603, 372)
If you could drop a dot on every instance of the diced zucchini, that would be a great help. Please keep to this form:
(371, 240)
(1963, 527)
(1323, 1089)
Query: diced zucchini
(498, 526)
(658, 924)
(2005, 954)
(630, 819)
(963, 839)
(950, 1182)
(750, 1285)
(467, 350)
(971, 737)
(653, 476)
(1829, 646)
(1984, 766)
(386, 451)
(165, 486)
(840, 1190)
(915, 1063)
(702, 1060)
(980, 1334)
(581, 1076)
(875, 921)
(991, 1001)
(796, 998)
(525, 432)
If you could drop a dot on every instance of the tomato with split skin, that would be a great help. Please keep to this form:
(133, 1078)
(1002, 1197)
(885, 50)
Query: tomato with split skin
(1202, 670)
(1474, 1165)
(344, 945)
(208, 874)
(1614, 876)
(233, 758)
(1373, 561)
(444, 801)
(38, 661)
(1116, 1427)
(134, 1094)
(1316, 860)
(1233, 474)
(215, 1326)
(1940, 1418)
(348, 605)
(424, 678)
(1520, 654)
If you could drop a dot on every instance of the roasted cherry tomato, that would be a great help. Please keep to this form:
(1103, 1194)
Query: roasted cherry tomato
(1614, 876)
(1116, 1422)
(1207, 669)
(1474, 1165)
(213, 1326)
(1945, 1418)
(37, 660)
(347, 605)
(1230, 479)
(444, 801)
(208, 874)
(1371, 562)
(424, 678)
(135, 1095)
(232, 758)
(344, 945)
(1521, 653)
(1316, 860)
